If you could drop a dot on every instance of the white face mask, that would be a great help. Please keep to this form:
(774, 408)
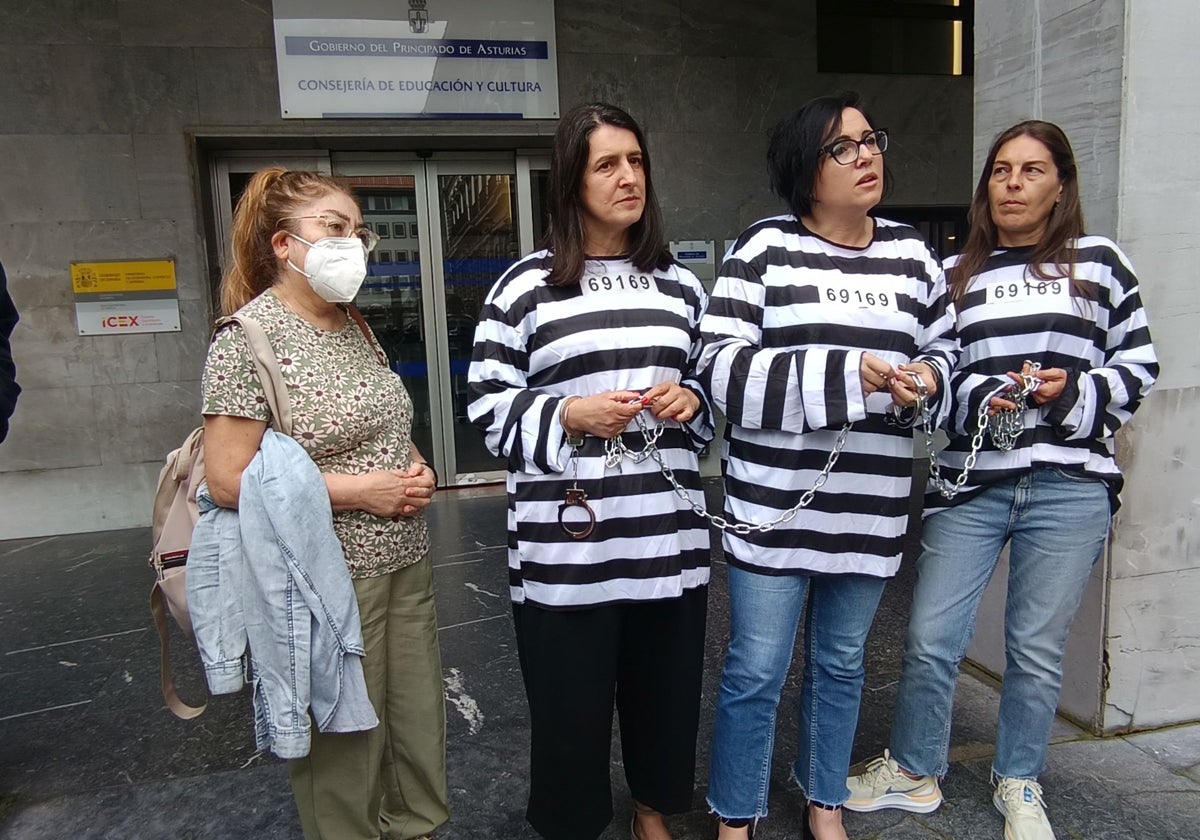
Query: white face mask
(335, 267)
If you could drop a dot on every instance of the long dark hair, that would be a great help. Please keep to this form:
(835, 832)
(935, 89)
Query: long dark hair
(794, 151)
(565, 235)
(1056, 247)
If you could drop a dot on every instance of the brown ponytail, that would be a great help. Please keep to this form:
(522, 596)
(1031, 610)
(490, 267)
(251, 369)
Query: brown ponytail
(271, 196)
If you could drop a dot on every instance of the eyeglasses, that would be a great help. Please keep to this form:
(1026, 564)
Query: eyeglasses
(340, 227)
(846, 151)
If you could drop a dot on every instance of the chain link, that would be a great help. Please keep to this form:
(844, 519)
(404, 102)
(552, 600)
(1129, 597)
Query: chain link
(1005, 426)
(651, 436)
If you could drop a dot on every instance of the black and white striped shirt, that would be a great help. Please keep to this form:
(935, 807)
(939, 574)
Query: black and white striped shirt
(1008, 316)
(786, 328)
(621, 328)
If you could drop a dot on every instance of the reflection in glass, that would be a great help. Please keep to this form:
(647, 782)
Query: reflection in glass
(390, 299)
(479, 243)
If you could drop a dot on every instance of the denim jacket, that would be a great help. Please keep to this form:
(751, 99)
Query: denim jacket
(271, 575)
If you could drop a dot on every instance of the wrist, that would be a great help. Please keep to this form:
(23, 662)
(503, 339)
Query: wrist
(563, 415)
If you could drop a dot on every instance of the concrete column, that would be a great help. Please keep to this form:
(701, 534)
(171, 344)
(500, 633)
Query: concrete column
(1110, 73)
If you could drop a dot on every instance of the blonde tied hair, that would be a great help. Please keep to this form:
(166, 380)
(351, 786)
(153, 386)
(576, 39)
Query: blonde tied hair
(270, 197)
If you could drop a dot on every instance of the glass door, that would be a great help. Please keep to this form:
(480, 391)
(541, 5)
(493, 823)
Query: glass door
(449, 226)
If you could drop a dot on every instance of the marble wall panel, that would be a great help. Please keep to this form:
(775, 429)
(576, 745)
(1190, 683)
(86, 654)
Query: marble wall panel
(1153, 651)
(50, 353)
(766, 28)
(82, 500)
(238, 87)
(642, 27)
(60, 22)
(145, 421)
(214, 23)
(1156, 526)
(37, 257)
(53, 428)
(84, 178)
(166, 178)
(27, 95)
(180, 356)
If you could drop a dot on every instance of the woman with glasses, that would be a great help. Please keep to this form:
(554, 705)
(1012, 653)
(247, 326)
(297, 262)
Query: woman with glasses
(1044, 307)
(299, 258)
(580, 347)
(816, 317)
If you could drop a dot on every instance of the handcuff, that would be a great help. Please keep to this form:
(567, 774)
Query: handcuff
(576, 497)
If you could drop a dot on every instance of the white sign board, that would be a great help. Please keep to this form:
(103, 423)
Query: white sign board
(697, 255)
(417, 59)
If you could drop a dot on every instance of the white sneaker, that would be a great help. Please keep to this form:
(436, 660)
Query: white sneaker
(1024, 810)
(884, 785)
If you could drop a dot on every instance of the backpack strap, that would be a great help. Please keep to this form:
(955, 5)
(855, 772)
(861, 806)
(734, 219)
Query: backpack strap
(177, 705)
(352, 310)
(267, 366)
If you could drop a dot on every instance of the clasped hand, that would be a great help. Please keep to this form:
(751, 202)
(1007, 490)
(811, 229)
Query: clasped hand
(1050, 387)
(396, 493)
(878, 375)
(607, 414)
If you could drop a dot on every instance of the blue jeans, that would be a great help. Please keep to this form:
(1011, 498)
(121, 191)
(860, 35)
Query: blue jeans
(1057, 524)
(765, 611)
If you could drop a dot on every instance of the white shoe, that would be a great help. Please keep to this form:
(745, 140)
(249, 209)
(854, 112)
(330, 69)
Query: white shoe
(1024, 810)
(884, 785)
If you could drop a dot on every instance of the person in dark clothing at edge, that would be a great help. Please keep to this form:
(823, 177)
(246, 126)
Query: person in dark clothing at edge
(9, 389)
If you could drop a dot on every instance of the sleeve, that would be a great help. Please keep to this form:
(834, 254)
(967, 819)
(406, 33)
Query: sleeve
(937, 338)
(971, 392)
(701, 428)
(793, 390)
(518, 423)
(9, 389)
(1096, 402)
(230, 384)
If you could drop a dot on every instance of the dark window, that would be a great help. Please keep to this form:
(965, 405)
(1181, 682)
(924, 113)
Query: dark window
(944, 228)
(398, 230)
(412, 229)
(402, 256)
(385, 256)
(383, 229)
(898, 36)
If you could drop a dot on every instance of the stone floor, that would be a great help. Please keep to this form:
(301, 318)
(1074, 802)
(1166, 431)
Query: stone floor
(87, 749)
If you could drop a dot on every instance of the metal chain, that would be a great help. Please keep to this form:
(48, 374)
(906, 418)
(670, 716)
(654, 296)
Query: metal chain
(1005, 426)
(651, 437)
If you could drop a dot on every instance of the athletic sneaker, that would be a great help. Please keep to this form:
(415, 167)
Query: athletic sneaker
(884, 785)
(1021, 803)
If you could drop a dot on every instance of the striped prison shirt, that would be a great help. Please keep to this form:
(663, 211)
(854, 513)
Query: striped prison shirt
(620, 328)
(784, 336)
(1008, 316)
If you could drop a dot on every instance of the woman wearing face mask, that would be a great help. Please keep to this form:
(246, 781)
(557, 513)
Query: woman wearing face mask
(299, 257)
(816, 316)
(578, 347)
(1030, 286)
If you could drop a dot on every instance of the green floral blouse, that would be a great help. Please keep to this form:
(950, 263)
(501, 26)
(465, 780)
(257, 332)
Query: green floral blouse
(351, 414)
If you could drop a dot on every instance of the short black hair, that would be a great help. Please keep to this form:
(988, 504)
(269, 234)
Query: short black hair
(794, 152)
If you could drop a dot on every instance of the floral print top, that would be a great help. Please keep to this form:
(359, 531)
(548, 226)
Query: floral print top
(351, 414)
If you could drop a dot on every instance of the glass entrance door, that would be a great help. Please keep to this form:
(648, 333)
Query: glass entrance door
(449, 226)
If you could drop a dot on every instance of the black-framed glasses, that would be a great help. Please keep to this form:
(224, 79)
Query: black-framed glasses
(340, 227)
(845, 151)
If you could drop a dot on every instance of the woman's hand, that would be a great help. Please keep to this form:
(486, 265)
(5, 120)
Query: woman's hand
(904, 387)
(1051, 384)
(385, 493)
(671, 401)
(875, 373)
(604, 415)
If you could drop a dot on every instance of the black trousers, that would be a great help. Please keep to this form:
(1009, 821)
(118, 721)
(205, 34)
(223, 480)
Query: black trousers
(648, 658)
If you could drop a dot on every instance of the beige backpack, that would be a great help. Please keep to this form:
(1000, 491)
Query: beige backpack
(175, 511)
